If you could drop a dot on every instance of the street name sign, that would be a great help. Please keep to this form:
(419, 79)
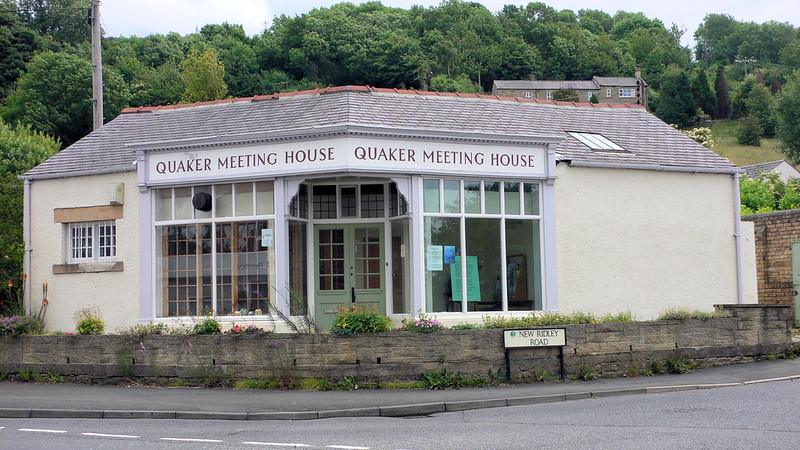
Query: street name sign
(535, 337)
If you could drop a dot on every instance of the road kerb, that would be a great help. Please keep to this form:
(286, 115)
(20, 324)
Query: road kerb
(66, 414)
(420, 409)
(618, 392)
(210, 415)
(535, 399)
(352, 412)
(676, 388)
(15, 413)
(283, 415)
(769, 380)
(129, 414)
(465, 405)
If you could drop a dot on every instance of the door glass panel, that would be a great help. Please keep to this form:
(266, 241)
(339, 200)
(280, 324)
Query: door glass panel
(298, 256)
(367, 258)
(324, 202)
(331, 259)
(401, 267)
(372, 200)
(348, 195)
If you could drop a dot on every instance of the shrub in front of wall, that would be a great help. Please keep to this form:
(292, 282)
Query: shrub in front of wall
(141, 330)
(685, 314)
(354, 320)
(545, 319)
(442, 378)
(422, 324)
(88, 321)
(209, 325)
(465, 326)
(18, 325)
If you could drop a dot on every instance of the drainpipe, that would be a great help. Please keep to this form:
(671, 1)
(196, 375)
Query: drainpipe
(737, 234)
(26, 238)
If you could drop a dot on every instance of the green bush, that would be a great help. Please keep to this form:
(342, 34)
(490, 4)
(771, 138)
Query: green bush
(545, 319)
(354, 320)
(660, 367)
(749, 133)
(88, 321)
(209, 325)
(141, 330)
(685, 314)
(678, 364)
(442, 378)
(18, 325)
(422, 324)
(586, 373)
(465, 326)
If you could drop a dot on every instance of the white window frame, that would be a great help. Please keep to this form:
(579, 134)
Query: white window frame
(549, 95)
(92, 247)
(528, 94)
(502, 215)
(589, 96)
(608, 92)
(627, 93)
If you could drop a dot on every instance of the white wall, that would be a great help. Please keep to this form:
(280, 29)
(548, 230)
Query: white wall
(643, 240)
(786, 171)
(116, 294)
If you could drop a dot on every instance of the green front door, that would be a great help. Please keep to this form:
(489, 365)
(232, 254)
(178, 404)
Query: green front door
(349, 266)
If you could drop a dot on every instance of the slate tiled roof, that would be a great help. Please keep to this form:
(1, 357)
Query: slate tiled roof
(616, 81)
(646, 139)
(754, 170)
(545, 84)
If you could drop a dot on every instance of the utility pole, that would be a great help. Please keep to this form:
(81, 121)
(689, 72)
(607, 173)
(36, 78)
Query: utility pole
(97, 66)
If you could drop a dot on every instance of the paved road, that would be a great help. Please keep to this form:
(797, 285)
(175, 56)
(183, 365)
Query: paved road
(754, 416)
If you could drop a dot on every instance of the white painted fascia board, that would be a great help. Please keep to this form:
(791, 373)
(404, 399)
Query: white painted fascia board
(348, 129)
(654, 167)
(79, 173)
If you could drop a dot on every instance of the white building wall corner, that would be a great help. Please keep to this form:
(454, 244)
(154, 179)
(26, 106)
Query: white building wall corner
(114, 294)
(749, 271)
(644, 241)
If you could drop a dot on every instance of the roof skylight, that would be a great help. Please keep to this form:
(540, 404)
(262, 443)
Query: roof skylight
(596, 141)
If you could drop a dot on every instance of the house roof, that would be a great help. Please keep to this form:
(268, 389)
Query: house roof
(646, 139)
(545, 84)
(754, 170)
(617, 81)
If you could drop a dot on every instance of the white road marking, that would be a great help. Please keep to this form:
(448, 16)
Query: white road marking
(346, 447)
(277, 444)
(128, 436)
(37, 430)
(216, 441)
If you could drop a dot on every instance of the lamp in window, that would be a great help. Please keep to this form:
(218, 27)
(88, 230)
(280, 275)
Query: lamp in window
(202, 201)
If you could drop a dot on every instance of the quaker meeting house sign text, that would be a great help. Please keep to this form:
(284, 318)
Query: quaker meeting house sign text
(349, 153)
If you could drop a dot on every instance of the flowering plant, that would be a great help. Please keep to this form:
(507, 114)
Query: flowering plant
(422, 324)
(245, 329)
(17, 325)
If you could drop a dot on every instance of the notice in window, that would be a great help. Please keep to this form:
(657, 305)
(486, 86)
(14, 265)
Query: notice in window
(434, 258)
(266, 237)
(449, 254)
(473, 279)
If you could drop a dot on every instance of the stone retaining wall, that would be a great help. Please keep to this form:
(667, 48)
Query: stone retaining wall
(612, 349)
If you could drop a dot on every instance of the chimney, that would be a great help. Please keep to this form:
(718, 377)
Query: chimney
(638, 73)
(532, 77)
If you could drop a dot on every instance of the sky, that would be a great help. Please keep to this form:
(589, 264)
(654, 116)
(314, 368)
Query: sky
(143, 17)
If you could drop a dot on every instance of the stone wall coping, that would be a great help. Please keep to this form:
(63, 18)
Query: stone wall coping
(771, 214)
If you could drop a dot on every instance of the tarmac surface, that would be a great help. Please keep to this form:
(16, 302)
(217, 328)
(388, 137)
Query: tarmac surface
(34, 400)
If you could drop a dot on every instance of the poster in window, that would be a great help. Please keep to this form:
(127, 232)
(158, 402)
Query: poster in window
(516, 272)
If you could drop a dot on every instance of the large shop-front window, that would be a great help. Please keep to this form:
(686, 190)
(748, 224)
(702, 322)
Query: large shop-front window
(214, 249)
(490, 231)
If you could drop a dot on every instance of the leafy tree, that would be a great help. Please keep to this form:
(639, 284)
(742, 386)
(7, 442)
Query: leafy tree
(790, 200)
(703, 95)
(54, 96)
(63, 20)
(788, 115)
(203, 74)
(740, 96)
(749, 132)
(756, 196)
(593, 98)
(566, 95)
(722, 108)
(443, 83)
(761, 107)
(17, 44)
(20, 149)
(675, 103)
